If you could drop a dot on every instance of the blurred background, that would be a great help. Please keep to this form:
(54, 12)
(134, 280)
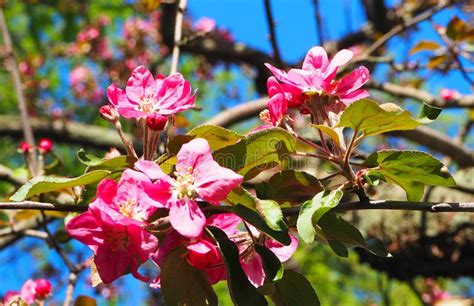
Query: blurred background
(68, 52)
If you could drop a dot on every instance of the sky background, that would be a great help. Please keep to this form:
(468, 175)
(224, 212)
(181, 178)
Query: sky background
(296, 33)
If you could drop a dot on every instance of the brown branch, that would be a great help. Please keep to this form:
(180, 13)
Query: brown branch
(33, 205)
(421, 95)
(319, 22)
(239, 113)
(271, 28)
(178, 30)
(66, 132)
(13, 68)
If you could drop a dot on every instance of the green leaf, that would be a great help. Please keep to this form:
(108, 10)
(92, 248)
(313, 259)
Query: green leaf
(167, 162)
(334, 227)
(424, 45)
(289, 186)
(429, 113)
(183, 284)
(338, 248)
(257, 152)
(369, 117)
(217, 137)
(95, 163)
(242, 292)
(312, 210)
(43, 184)
(294, 290)
(329, 131)
(268, 210)
(271, 263)
(411, 170)
(252, 217)
(459, 30)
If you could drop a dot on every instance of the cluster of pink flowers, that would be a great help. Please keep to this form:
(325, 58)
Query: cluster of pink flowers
(314, 88)
(32, 291)
(205, 24)
(121, 225)
(119, 230)
(433, 294)
(84, 85)
(91, 41)
(449, 94)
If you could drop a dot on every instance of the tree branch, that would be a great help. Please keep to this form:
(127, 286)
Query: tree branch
(273, 39)
(178, 29)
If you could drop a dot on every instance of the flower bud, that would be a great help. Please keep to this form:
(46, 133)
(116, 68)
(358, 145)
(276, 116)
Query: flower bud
(25, 147)
(156, 122)
(42, 288)
(45, 145)
(109, 113)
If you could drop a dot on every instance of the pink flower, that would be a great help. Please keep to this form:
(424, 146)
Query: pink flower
(317, 77)
(197, 177)
(114, 226)
(34, 290)
(145, 95)
(205, 24)
(449, 94)
(43, 288)
(12, 298)
(252, 263)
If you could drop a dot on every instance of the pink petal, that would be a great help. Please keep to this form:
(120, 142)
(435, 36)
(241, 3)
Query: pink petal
(152, 170)
(174, 95)
(253, 268)
(111, 264)
(140, 85)
(87, 229)
(28, 291)
(118, 98)
(353, 81)
(106, 190)
(283, 252)
(279, 74)
(316, 58)
(213, 182)
(169, 243)
(226, 222)
(186, 217)
(277, 107)
(341, 58)
(354, 96)
(193, 153)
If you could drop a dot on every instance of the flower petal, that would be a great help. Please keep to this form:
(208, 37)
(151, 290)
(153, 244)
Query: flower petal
(174, 95)
(193, 153)
(213, 182)
(283, 252)
(140, 85)
(253, 268)
(341, 58)
(353, 81)
(316, 58)
(118, 98)
(277, 107)
(106, 190)
(152, 170)
(111, 264)
(186, 217)
(354, 96)
(87, 229)
(227, 222)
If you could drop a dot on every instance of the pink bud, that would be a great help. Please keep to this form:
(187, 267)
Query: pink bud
(109, 113)
(45, 145)
(43, 288)
(156, 122)
(449, 94)
(25, 147)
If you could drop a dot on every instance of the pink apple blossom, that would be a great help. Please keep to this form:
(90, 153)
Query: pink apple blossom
(12, 298)
(205, 24)
(316, 78)
(197, 177)
(144, 95)
(449, 94)
(114, 226)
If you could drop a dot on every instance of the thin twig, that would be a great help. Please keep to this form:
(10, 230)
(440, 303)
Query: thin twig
(178, 29)
(319, 22)
(42, 206)
(273, 39)
(13, 68)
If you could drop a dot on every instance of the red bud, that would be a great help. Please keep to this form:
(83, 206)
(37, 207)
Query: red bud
(156, 122)
(109, 113)
(42, 288)
(25, 147)
(45, 145)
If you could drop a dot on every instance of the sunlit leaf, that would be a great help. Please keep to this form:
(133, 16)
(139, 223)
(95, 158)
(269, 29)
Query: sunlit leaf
(424, 45)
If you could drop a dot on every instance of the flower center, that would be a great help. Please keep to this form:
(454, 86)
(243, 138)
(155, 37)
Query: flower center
(146, 105)
(118, 240)
(184, 184)
(127, 208)
(265, 117)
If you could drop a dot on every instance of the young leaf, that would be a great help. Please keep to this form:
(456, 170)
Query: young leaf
(242, 292)
(312, 210)
(411, 170)
(43, 184)
(257, 152)
(369, 117)
(334, 227)
(429, 113)
(424, 45)
(183, 284)
(271, 263)
(329, 131)
(95, 163)
(294, 290)
(252, 217)
(289, 186)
